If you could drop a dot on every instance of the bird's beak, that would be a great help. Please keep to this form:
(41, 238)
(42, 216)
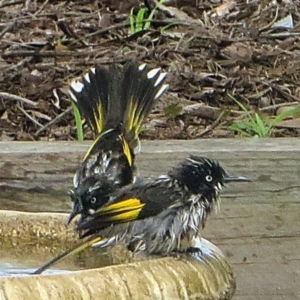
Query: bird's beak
(235, 179)
(77, 209)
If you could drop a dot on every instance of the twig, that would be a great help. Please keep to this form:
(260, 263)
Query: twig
(9, 27)
(102, 30)
(20, 64)
(29, 116)
(48, 53)
(68, 31)
(280, 35)
(212, 126)
(41, 8)
(7, 96)
(60, 116)
(283, 93)
(275, 106)
(27, 3)
(272, 21)
(177, 13)
(4, 4)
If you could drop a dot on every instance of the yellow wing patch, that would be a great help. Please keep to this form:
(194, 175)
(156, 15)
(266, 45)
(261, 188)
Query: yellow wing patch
(126, 216)
(128, 205)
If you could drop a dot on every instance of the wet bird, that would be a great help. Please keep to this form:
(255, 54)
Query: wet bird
(114, 103)
(160, 217)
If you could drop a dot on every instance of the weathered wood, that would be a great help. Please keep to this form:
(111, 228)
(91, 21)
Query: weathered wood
(262, 243)
(257, 227)
(33, 175)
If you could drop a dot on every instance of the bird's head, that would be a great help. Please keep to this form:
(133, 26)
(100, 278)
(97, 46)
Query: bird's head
(88, 196)
(202, 175)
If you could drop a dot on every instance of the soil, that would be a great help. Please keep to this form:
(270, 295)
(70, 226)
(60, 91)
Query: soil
(211, 49)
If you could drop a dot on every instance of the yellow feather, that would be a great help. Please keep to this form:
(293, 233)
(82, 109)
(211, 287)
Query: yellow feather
(99, 118)
(126, 216)
(92, 146)
(131, 115)
(123, 206)
(127, 152)
(85, 245)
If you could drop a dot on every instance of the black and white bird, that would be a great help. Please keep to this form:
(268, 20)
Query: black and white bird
(160, 217)
(114, 102)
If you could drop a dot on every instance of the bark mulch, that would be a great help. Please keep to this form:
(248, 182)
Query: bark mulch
(211, 50)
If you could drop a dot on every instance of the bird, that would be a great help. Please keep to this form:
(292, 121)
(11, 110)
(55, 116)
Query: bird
(159, 217)
(114, 102)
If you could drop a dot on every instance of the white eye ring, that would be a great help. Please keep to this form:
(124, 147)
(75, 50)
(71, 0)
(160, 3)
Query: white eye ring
(208, 178)
(93, 200)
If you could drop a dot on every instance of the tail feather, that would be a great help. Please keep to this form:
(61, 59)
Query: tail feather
(114, 102)
(114, 96)
(91, 94)
(77, 249)
(145, 88)
(93, 241)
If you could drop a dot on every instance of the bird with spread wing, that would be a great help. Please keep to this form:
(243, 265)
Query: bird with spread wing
(114, 102)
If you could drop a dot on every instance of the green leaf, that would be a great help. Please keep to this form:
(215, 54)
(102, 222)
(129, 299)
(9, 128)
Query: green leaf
(262, 130)
(132, 21)
(242, 107)
(253, 126)
(150, 18)
(78, 122)
(140, 20)
(285, 114)
(238, 128)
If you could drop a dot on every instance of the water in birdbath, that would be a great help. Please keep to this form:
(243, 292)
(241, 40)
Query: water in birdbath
(22, 257)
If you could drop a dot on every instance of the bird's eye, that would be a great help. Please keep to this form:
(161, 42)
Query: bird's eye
(93, 200)
(208, 178)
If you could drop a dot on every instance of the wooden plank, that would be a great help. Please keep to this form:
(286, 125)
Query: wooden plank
(263, 266)
(262, 243)
(36, 171)
(255, 220)
(270, 279)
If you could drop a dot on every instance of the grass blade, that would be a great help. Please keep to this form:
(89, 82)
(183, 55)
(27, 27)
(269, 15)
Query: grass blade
(78, 122)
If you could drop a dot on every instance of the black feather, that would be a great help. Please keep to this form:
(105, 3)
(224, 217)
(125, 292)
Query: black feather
(114, 102)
